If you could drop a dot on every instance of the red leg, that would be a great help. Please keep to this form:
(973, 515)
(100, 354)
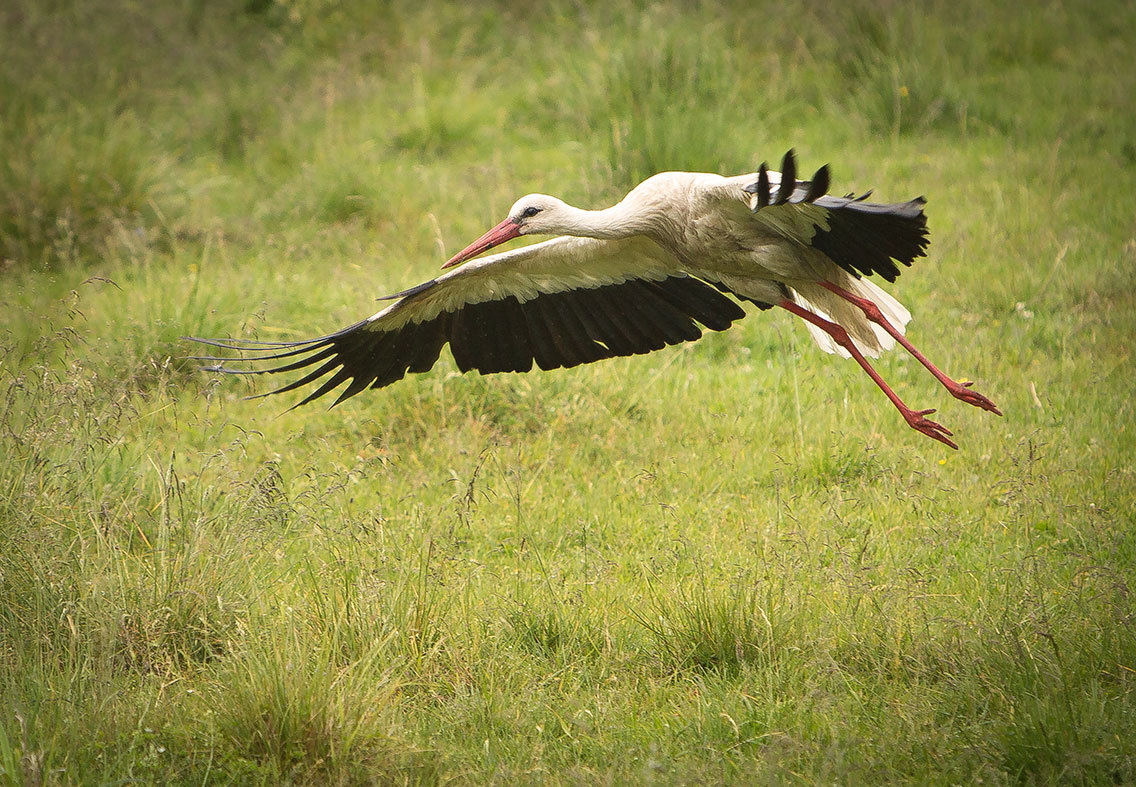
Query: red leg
(916, 419)
(872, 312)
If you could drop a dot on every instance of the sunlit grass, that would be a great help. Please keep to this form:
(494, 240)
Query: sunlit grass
(726, 561)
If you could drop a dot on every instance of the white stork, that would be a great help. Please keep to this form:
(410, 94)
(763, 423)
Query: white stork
(636, 277)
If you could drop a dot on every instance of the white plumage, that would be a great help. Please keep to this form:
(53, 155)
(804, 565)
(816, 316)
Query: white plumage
(675, 255)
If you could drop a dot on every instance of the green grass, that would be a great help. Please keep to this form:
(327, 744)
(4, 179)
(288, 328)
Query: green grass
(727, 561)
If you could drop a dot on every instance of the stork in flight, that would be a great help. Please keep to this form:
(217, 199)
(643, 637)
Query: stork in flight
(636, 277)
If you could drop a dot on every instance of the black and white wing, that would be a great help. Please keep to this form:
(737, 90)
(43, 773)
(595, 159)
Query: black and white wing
(860, 236)
(560, 303)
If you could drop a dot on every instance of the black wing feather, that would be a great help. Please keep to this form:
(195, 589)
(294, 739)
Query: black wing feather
(788, 178)
(430, 340)
(818, 186)
(567, 354)
(514, 333)
(862, 237)
(556, 330)
(574, 331)
(620, 332)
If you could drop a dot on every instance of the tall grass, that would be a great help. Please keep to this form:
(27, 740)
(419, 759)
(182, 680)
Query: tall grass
(728, 561)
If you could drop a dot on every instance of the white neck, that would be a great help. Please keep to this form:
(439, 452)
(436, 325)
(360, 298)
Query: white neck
(619, 221)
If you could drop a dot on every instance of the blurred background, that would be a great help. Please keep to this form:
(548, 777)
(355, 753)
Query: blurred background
(728, 561)
(129, 126)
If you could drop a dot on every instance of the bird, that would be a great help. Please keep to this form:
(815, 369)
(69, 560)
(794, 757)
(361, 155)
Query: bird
(682, 251)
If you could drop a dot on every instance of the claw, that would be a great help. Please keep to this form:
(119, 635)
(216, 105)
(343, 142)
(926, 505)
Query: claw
(962, 392)
(917, 420)
(959, 389)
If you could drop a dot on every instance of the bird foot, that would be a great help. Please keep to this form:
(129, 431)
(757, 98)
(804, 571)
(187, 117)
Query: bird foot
(962, 392)
(918, 421)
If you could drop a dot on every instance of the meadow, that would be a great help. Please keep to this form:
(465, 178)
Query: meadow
(728, 561)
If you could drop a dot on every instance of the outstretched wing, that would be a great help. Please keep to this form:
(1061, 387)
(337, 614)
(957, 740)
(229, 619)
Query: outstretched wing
(559, 303)
(860, 236)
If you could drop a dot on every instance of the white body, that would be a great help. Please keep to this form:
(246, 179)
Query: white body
(650, 271)
(700, 224)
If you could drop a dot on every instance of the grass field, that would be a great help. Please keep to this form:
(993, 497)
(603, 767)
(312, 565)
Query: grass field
(725, 561)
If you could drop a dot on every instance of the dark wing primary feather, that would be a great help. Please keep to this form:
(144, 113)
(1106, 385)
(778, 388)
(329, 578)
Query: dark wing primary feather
(860, 236)
(559, 304)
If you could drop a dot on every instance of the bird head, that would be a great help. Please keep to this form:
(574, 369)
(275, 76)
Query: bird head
(532, 214)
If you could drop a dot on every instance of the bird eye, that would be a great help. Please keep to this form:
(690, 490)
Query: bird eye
(528, 213)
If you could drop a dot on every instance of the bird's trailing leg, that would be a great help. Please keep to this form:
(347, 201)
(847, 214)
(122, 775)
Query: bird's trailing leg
(916, 419)
(872, 312)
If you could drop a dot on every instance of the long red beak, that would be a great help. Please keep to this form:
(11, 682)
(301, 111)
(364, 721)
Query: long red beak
(506, 230)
